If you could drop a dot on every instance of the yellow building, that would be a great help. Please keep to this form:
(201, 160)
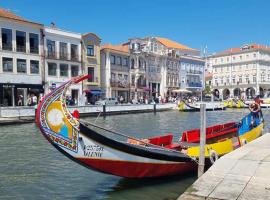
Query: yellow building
(91, 66)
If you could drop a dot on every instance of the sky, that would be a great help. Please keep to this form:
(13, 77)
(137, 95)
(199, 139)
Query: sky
(215, 24)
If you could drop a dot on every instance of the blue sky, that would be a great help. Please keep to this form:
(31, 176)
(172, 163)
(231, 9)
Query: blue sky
(219, 24)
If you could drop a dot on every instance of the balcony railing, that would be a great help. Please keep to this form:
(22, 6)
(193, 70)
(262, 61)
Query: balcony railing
(20, 48)
(74, 58)
(194, 84)
(119, 84)
(51, 54)
(34, 50)
(63, 56)
(7, 47)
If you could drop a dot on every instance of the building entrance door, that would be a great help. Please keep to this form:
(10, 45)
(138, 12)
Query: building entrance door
(8, 96)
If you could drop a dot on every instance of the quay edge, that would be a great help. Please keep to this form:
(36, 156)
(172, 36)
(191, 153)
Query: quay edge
(241, 174)
(14, 115)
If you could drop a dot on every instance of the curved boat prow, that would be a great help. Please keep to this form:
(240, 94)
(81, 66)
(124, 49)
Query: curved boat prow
(55, 121)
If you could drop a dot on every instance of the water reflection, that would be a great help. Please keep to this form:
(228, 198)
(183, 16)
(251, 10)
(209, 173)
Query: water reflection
(31, 168)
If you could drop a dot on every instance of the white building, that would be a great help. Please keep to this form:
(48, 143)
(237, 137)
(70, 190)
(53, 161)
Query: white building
(115, 76)
(155, 67)
(21, 61)
(62, 51)
(241, 72)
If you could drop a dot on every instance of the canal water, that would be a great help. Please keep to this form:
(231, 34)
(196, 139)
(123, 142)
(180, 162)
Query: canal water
(31, 168)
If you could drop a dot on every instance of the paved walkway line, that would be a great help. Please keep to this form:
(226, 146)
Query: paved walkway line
(241, 174)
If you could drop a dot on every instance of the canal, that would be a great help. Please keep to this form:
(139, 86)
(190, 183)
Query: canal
(31, 168)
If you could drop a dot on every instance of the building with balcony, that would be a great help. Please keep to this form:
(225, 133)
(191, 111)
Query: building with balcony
(156, 61)
(192, 73)
(62, 52)
(115, 77)
(21, 62)
(91, 66)
(241, 72)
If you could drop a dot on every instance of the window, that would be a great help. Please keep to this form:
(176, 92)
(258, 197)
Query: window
(20, 41)
(34, 67)
(52, 69)
(247, 78)
(228, 68)
(254, 79)
(254, 55)
(132, 64)
(240, 79)
(126, 77)
(90, 50)
(51, 48)
(112, 58)
(113, 76)
(21, 66)
(34, 43)
(240, 57)
(119, 76)
(74, 52)
(74, 70)
(6, 39)
(63, 50)
(7, 64)
(63, 70)
(91, 73)
(125, 62)
(228, 59)
(233, 57)
(233, 79)
(118, 60)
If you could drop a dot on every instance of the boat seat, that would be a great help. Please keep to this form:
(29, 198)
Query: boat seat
(162, 140)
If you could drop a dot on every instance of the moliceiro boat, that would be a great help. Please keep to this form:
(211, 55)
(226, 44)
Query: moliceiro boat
(102, 149)
(195, 106)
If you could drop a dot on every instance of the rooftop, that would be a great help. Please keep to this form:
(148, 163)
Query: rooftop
(174, 45)
(10, 15)
(120, 48)
(243, 48)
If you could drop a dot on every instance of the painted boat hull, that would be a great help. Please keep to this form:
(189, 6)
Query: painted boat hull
(185, 107)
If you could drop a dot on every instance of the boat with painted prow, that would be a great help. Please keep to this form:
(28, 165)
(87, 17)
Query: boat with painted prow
(195, 106)
(92, 146)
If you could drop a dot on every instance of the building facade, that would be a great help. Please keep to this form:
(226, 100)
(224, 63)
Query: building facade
(91, 65)
(241, 72)
(62, 52)
(192, 73)
(115, 71)
(21, 63)
(158, 67)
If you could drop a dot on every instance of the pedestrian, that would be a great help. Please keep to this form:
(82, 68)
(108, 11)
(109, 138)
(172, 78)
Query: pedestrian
(121, 99)
(20, 100)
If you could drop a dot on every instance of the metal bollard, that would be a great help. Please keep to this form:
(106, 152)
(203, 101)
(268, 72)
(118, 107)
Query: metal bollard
(155, 107)
(104, 110)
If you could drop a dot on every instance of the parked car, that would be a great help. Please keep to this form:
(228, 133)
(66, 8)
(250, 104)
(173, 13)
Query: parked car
(107, 101)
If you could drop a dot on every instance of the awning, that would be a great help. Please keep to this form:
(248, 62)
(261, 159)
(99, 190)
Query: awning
(95, 92)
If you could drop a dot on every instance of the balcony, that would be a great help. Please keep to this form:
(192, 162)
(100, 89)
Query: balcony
(51, 55)
(7, 47)
(199, 85)
(20, 48)
(193, 72)
(63, 56)
(119, 84)
(34, 50)
(119, 68)
(74, 58)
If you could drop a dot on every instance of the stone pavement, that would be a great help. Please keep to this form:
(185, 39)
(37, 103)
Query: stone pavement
(241, 174)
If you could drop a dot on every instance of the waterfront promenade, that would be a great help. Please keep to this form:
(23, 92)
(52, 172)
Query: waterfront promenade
(10, 115)
(241, 174)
